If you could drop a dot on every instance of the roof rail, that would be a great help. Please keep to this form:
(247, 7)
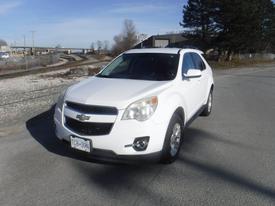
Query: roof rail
(183, 47)
(190, 47)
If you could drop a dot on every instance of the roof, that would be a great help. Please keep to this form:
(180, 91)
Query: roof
(175, 40)
(155, 50)
(176, 37)
(162, 50)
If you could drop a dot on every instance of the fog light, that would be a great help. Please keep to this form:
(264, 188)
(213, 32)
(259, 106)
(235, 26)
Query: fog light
(140, 143)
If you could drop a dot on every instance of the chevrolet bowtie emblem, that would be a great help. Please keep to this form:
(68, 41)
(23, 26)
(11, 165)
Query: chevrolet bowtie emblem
(82, 117)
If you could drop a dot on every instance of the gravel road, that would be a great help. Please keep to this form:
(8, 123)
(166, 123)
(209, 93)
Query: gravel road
(226, 159)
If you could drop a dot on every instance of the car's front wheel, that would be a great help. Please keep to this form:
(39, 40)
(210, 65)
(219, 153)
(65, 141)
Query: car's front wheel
(173, 140)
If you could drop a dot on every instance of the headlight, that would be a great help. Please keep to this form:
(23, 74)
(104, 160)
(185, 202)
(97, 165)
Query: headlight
(141, 110)
(60, 100)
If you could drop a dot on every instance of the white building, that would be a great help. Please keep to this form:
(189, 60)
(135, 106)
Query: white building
(5, 48)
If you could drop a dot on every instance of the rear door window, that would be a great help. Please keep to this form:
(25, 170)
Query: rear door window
(187, 63)
(199, 64)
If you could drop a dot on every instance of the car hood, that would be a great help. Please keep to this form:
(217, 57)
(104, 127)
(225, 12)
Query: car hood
(118, 93)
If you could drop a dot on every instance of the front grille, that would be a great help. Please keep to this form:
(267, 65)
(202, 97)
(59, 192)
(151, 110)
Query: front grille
(88, 128)
(92, 109)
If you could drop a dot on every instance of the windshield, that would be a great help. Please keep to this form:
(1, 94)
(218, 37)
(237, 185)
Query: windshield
(143, 66)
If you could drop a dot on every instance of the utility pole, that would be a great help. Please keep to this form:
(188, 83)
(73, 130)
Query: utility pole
(24, 50)
(26, 60)
(15, 50)
(33, 32)
(24, 36)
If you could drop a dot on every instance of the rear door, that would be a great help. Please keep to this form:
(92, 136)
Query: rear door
(203, 80)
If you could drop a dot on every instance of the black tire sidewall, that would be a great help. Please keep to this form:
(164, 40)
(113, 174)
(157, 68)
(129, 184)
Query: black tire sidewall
(210, 95)
(205, 112)
(166, 156)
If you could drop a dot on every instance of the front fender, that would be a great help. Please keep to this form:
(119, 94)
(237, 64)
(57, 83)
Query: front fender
(168, 104)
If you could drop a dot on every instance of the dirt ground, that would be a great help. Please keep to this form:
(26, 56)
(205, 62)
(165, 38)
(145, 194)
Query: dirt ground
(21, 97)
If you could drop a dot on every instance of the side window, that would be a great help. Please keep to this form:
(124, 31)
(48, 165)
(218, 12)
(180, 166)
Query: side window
(187, 63)
(199, 64)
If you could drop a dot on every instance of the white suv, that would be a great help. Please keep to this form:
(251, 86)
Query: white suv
(137, 106)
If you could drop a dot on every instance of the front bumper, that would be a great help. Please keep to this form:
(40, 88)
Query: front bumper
(123, 134)
(109, 156)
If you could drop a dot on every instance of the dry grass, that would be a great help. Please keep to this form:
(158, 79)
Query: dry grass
(99, 57)
(238, 63)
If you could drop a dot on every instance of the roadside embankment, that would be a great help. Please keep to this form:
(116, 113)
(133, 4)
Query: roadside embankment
(22, 97)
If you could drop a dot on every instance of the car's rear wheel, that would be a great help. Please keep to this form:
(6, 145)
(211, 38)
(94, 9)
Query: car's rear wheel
(173, 140)
(208, 108)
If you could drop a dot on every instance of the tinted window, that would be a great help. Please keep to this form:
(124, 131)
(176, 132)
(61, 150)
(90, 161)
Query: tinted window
(187, 63)
(143, 66)
(199, 64)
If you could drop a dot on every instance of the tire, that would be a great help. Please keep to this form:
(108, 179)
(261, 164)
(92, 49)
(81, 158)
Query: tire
(173, 140)
(208, 107)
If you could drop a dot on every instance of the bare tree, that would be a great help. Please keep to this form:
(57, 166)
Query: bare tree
(142, 37)
(106, 45)
(58, 46)
(127, 39)
(99, 46)
(3, 42)
(92, 46)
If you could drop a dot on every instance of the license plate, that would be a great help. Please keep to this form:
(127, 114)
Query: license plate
(81, 144)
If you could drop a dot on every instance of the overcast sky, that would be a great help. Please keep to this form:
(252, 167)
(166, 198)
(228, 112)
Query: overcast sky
(77, 23)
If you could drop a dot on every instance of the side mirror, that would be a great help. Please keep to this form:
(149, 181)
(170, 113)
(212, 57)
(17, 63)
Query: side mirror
(192, 73)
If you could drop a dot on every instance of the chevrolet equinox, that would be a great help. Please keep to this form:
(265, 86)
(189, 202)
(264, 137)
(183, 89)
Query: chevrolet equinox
(137, 106)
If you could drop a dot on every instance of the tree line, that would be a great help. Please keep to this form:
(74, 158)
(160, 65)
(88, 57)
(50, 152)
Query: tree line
(230, 26)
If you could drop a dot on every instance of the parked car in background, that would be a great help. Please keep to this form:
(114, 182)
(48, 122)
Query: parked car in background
(4, 55)
(138, 105)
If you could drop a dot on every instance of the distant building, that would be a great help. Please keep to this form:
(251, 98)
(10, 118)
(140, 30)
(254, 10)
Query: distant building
(165, 40)
(5, 49)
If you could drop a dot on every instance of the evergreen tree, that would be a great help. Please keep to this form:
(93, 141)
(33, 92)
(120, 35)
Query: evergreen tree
(272, 30)
(239, 25)
(231, 25)
(197, 20)
(268, 25)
